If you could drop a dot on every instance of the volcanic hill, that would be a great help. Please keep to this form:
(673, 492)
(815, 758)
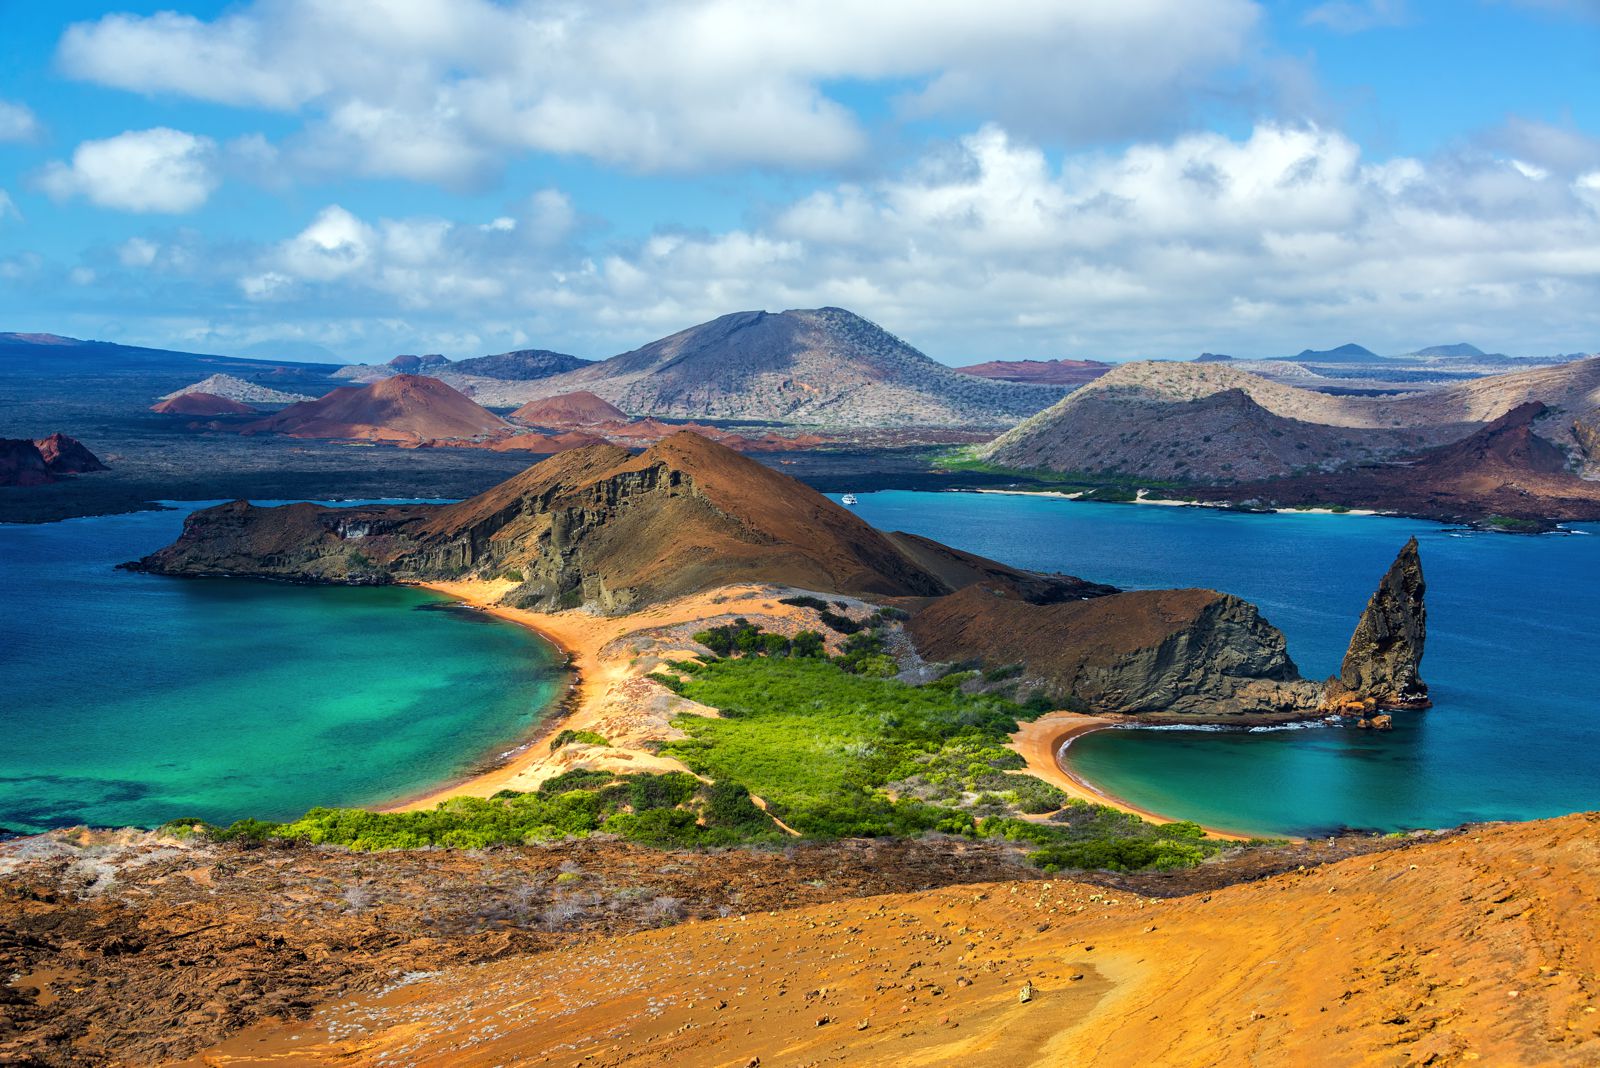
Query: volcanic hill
(236, 389)
(824, 367)
(1215, 423)
(201, 404)
(566, 411)
(402, 408)
(523, 365)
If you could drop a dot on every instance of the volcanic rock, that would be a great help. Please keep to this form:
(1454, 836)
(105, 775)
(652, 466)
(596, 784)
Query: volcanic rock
(1385, 656)
(67, 456)
(1178, 652)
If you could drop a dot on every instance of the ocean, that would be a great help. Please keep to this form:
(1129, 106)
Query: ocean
(130, 699)
(1511, 658)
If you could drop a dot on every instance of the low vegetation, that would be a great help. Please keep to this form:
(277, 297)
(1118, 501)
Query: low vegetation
(671, 810)
(835, 747)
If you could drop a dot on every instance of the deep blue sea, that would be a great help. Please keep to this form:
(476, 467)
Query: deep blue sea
(135, 699)
(1513, 658)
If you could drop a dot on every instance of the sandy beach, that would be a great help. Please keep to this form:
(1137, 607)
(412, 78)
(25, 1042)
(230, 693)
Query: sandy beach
(1038, 743)
(611, 695)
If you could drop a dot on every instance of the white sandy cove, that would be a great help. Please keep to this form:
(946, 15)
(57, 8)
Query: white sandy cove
(1143, 497)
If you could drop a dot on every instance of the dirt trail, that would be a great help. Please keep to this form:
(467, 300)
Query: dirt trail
(1472, 949)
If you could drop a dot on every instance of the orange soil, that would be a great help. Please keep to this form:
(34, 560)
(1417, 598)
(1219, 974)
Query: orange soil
(1475, 949)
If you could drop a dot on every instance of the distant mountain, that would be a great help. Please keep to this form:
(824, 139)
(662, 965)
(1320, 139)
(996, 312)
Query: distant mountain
(1350, 353)
(523, 365)
(1458, 350)
(52, 353)
(1212, 357)
(408, 365)
(821, 367)
(406, 409)
(1184, 421)
(1044, 372)
(568, 410)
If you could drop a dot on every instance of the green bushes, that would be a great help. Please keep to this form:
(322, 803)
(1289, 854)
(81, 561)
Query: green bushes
(567, 737)
(836, 754)
(744, 638)
(672, 809)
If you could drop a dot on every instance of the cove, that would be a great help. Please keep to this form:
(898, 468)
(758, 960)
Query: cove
(130, 699)
(1513, 627)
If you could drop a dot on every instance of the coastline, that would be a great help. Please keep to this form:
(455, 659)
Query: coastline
(1039, 743)
(1167, 502)
(608, 692)
(604, 695)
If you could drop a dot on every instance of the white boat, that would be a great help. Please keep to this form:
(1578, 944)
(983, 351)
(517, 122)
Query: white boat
(848, 498)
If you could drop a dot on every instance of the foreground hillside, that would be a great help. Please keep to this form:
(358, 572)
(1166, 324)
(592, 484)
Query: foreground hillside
(1473, 949)
(825, 367)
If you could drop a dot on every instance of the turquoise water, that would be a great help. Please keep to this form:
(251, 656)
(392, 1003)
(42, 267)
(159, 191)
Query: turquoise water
(1513, 634)
(134, 699)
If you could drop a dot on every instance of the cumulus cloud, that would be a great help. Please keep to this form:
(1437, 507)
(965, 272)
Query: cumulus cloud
(158, 170)
(1286, 237)
(440, 90)
(18, 122)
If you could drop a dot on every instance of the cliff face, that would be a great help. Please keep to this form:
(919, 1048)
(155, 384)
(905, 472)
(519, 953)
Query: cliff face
(1179, 652)
(1383, 662)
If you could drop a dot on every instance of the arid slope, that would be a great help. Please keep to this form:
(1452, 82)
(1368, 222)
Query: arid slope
(400, 408)
(1476, 949)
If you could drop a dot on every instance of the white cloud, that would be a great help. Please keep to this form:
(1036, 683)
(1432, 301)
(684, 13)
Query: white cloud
(158, 170)
(8, 206)
(1355, 16)
(137, 252)
(441, 90)
(18, 123)
(1260, 245)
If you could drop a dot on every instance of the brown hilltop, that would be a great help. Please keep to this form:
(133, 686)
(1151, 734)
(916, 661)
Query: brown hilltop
(595, 525)
(201, 404)
(568, 410)
(402, 408)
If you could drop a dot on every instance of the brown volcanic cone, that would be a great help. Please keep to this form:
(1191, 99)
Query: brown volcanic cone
(201, 404)
(598, 526)
(401, 408)
(569, 410)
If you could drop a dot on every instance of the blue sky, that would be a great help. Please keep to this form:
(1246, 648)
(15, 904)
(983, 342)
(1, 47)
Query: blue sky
(1015, 179)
